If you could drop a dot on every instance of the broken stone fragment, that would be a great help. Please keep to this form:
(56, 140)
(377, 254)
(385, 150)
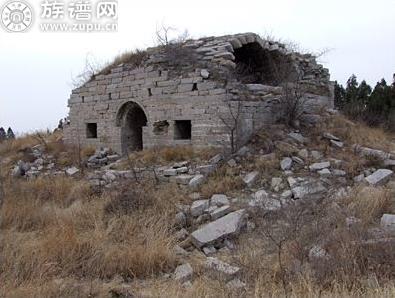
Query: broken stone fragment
(209, 250)
(324, 173)
(72, 171)
(236, 284)
(330, 136)
(170, 172)
(277, 183)
(204, 73)
(183, 179)
(304, 153)
(379, 177)
(316, 154)
(388, 222)
(181, 219)
(227, 226)
(183, 273)
(286, 164)
(337, 144)
(251, 178)
(297, 137)
(216, 159)
(198, 207)
(319, 166)
(220, 212)
(196, 181)
(317, 252)
(219, 200)
(308, 189)
(221, 270)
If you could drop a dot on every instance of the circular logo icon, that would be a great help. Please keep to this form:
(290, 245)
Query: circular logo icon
(16, 16)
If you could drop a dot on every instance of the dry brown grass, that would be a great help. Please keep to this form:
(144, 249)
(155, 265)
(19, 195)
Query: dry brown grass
(368, 203)
(57, 228)
(357, 133)
(224, 181)
(134, 58)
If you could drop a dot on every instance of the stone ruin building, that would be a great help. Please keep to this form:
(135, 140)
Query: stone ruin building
(204, 92)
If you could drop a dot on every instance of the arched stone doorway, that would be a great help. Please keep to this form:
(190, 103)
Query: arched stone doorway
(131, 118)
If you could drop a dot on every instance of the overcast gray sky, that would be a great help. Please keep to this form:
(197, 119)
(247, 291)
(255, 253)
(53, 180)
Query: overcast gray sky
(36, 68)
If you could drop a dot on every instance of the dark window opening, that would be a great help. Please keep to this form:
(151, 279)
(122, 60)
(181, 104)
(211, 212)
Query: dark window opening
(91, 130)
(83, 98)
(194, 87)
(160, 73)
(161, 127)
(149, 92)
(255, 65)
(109, 96)
(182, 130)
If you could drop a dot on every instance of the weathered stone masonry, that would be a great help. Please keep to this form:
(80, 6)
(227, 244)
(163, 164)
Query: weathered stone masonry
(158, 104)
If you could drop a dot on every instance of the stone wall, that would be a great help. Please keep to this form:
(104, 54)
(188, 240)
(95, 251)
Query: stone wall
(204, 93)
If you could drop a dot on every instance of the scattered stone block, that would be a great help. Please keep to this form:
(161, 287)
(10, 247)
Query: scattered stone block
(183, 179)
(330, 136)
(198, 207)
(337, 144)
(319, 166)
(196, 181)
(229, 225)
(236, 284)
(304, 153)
(286, 164)
(219, 212)
(183, 273)
(388, 222)
(251, 178)
(72, 171)
(379, 177)
(219, 200)
(309, 189)
(209, 250)
(324, 173)
(297, 137)
(221, 270)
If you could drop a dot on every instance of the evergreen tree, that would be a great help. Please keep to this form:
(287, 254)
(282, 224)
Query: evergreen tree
(3, 134)
(10, 134)
(340, 94)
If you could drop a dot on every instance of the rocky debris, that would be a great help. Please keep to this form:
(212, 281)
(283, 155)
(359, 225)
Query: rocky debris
(330, 137)
(206, 169)
(204, 73)
(286, 164)
(232, 163)
(181, 219)
(236, 284)
(324, 173)
(388, 222)
(337, 144)
(179, 251)
(72, 171)
(221, 270)
(369, 152)
(308, 189)
(389, 163)
(198, 207)
(263, 200)
(216, 159)
(102, 157)
(183, 273)
(316, 154)
(183, 179)
(220, 212)
(379, 177)
(196, 181)
(209, 250)
(277, 183)
(181, 235)
(251, 178)
(219, 200)
(227, 226)
(319, 166)
(317, 252)
(303, 153)
(243, 151)
(359, 178)
(338, 172)
(170, 172)
(297, 137)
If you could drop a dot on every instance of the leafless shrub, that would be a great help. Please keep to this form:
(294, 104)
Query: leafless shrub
(176, 53)
(232, 122)
(91, 68)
